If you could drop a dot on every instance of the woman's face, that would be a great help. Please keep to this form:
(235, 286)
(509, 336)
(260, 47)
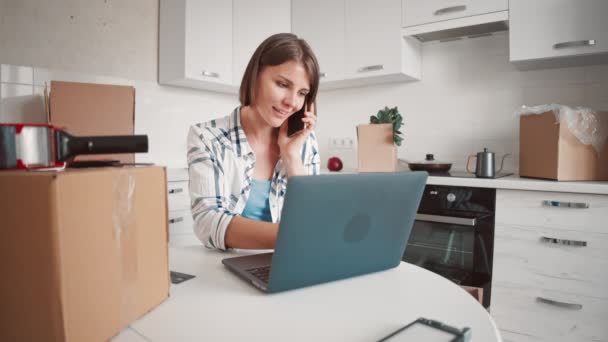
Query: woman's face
(281, 91)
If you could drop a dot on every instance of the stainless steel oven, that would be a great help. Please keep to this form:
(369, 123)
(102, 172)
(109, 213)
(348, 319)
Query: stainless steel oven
(453, 235)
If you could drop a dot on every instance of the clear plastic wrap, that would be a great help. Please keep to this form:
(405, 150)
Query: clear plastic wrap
(588, 126)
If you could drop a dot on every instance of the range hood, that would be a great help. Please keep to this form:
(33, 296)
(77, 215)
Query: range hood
(459, 28)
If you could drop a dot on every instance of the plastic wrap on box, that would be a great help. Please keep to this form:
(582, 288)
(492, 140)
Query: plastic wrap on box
(588, 126)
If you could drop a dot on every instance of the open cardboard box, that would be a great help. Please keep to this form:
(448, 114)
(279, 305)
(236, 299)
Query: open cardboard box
(549, 150)
(476, 292)
(376, 150)
(87, 109)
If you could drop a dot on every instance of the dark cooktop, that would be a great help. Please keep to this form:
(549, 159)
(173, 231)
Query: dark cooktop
(464, 174)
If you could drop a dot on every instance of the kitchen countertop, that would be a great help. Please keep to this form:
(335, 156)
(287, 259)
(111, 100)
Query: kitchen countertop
(519, 183)
(513, 182)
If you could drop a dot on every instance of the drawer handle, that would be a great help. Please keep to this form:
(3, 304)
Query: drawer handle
(210, 74)
(175, 191)
(471, 222)
(450, 10)
(371, 68)
(563, 242)
(565, 305)
(176, 220)
(574, 43)
(559, 204)
(323, 74)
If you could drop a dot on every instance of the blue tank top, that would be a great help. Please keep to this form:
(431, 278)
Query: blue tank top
(258, 206)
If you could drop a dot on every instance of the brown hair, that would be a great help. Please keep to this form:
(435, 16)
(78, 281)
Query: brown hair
(275, 50)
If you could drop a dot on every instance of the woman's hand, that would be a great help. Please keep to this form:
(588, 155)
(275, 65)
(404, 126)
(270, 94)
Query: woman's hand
(290, 146)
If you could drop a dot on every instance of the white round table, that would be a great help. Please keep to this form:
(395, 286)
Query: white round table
(216, 305)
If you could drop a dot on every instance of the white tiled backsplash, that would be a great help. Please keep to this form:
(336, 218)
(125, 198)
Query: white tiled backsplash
(465, 102)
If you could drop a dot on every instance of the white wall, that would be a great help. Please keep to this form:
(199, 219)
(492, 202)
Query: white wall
(163, 113)
(464, 103)
(103, 37)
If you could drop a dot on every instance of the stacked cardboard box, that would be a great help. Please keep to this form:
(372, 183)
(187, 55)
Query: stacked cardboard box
(83, 252)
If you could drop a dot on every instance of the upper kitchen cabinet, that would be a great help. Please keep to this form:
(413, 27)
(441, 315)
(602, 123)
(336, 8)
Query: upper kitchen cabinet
(374, 45)
(416, 12)
(558, 33)
(206, 44)
(357, 42)
(321, 24)
(195, 44)
(449, 19)
(254, 21)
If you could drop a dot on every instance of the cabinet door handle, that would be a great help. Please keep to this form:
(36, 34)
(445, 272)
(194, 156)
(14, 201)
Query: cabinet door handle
(371, 68)
(323, 74)
(175, 191)
(176, 220)
(576, 243)
(451, 9)
(565, 305)
(447, 219)
(210, 74)
(560, 204)
(574, 43)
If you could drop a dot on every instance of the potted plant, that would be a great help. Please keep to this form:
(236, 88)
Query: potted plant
(390, 116)
(377, 141)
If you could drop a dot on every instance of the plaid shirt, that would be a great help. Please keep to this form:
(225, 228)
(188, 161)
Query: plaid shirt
(220, 164)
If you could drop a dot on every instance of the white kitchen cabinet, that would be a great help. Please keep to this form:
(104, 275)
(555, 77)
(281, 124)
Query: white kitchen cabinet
(558, 33)
(254, 21)
(372, 37)
(181, 231)
(417, 12)
(207, 44)
(549, 255)
(195, 44)
(359, 42)
(321, 24)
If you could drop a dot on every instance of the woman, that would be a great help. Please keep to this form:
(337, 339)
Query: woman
(239, 164)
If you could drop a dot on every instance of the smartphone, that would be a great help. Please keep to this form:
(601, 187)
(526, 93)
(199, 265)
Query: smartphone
(428, 330)
(294, 122)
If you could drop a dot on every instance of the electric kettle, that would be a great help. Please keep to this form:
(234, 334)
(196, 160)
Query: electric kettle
(485, 167)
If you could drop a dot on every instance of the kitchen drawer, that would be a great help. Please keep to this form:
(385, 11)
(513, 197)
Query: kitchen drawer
(551, 209)
(416, 12)
(181, 232)
(522, 256)
(177, 174)
(180, 222)
(182, 240)
(525, 314)
(178, 196)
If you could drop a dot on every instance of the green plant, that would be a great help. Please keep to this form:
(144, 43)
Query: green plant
(392, 116)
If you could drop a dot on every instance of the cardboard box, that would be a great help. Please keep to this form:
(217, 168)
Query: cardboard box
(549, 150)
(87, 109)
(83, 252)
(376, 149)
(476, 292)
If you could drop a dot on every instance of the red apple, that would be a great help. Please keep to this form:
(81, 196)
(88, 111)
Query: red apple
(334, 164)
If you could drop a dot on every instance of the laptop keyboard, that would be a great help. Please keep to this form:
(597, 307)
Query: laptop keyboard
(262, 273)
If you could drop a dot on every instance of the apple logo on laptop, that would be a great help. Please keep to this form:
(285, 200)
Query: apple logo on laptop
(357, 228)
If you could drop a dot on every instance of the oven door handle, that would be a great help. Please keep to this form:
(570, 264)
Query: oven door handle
(462, 221)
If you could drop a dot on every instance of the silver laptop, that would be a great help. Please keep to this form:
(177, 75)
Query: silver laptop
(335, 227)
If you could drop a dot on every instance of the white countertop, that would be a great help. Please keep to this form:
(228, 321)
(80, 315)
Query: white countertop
(218, 306)
(512, 182)
(518, 183)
